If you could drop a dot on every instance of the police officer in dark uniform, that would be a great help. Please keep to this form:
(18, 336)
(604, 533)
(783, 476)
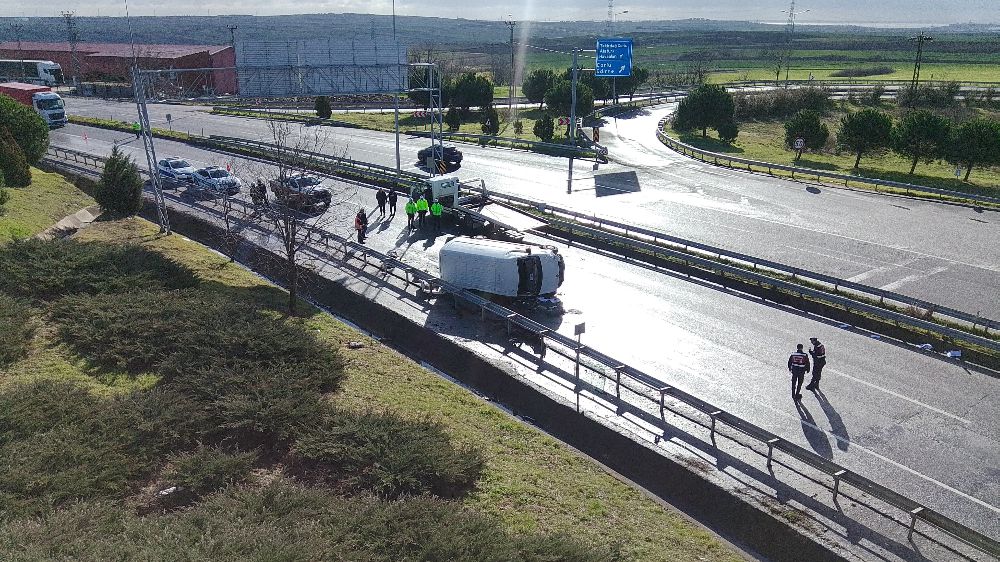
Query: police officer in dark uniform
(818, 352)
(798, 365)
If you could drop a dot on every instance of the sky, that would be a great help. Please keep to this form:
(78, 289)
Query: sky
(939, 12)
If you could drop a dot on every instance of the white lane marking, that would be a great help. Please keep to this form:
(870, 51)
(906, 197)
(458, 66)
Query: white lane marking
(876, 271)
(900, 396)
(909, 278)
(892, 462)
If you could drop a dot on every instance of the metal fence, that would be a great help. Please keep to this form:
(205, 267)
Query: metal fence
(638, 394)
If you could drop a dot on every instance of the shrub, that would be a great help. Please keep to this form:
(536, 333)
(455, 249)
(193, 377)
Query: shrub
(28, 129)
(256, 406)
(16, 329)
(204, 471)
(174, 332)
(13, 163)
(710, 105)
(290, 522)
(323, 109)
(40, 406)
(70, 462)
(453, 118)
(863, 71)
(386, 455)
(544, 128)
(46, 270)
(780, 103)
(4, 198)
(120, 188)
(490, 122)
(158, 421)
(728, 131)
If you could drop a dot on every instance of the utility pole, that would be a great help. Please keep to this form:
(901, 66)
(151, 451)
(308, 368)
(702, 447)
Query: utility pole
(73, 37)
(790, 33)
(609, 24)
(510, 23)
(232, 34)
(572, 118)
(395, 98)
(920, 39)
(16, 29)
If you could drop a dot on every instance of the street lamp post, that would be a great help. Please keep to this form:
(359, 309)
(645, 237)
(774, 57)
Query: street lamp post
(614, 81)
(511, 24)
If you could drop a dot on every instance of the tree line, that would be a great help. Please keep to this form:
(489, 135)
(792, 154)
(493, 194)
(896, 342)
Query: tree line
(920, 135)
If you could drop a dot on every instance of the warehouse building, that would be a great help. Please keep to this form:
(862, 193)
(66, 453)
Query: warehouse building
(112, 62)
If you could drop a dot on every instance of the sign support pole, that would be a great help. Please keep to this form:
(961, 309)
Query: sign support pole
(572, 120)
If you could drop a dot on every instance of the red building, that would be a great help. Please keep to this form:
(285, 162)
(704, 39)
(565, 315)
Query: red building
(113, 62)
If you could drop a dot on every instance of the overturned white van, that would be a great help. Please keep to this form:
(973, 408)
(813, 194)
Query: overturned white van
(504, 269)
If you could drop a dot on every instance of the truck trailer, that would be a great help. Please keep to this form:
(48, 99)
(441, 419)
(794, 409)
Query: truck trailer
(42, 99)
(514, 272)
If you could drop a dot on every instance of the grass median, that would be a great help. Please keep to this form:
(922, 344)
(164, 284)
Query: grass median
(44, 202)
(122, 375)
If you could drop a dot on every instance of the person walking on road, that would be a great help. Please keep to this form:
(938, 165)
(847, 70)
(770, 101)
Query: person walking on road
(436, 209)
(818, 352)
(798, 365)
(381, 197)
(392, 203)
(136, 129)
(422, 208)
(411, 210)
(361, 225)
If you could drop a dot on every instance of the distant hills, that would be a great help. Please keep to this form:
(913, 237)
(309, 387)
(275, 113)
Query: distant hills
(454, 33)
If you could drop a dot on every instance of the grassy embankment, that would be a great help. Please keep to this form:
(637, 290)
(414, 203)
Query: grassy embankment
(113, 390)
(764, 140)
(32, 209)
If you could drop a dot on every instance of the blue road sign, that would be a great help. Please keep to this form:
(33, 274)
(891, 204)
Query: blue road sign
(614, 58)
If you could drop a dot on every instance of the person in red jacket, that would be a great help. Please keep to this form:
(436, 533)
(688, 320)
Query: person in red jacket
(798, 365)
(361, 225)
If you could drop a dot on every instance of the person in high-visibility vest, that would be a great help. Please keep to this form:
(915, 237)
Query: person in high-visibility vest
(798, 365)
(136, 128)
(422, 208)
(818, 353)
(411, 209)
(436, 209)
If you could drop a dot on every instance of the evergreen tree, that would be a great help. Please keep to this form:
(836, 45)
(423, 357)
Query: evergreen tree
(865, 131)
(806, 125)
(13, 164)
(120, 188)
(976, 143)
(544, 128)
(921, 135)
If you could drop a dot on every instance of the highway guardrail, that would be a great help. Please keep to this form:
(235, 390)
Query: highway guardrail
(720, 159)
(635, 384)
(632, 231)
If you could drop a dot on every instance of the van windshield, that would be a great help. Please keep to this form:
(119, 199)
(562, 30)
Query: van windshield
(51, 103)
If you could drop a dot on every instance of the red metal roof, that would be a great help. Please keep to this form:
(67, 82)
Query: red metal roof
(118, 49)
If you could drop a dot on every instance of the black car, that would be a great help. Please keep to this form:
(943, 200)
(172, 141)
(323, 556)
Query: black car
(452, 156)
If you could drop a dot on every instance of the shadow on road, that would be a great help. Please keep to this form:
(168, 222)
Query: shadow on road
(836, 422)
(814, 435)
(616, 183)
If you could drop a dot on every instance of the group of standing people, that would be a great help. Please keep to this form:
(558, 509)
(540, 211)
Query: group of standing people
(419, 207)
(799, 365)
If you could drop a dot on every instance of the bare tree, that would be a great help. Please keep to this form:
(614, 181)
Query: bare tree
(291, 219)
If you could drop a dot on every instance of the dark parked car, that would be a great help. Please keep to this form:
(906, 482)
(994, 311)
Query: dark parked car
(302, 191)
(452, 156)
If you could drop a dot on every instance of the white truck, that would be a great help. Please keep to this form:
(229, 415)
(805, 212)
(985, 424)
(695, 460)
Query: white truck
(42, 99)
(512, 272)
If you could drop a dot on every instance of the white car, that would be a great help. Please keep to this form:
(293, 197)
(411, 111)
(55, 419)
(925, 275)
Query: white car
(176, 169)
(217, 180)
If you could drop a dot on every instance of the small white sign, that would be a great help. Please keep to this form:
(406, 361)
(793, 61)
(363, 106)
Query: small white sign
(800, 143)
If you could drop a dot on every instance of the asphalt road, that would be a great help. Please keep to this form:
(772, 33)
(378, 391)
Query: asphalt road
(922, 425)
(940, 253)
